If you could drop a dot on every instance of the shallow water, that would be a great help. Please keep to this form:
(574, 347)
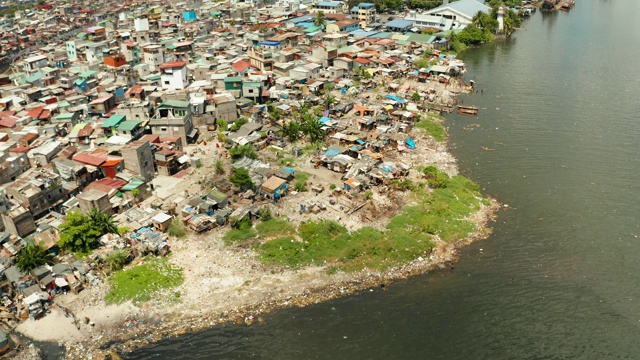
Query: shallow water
(558, 279)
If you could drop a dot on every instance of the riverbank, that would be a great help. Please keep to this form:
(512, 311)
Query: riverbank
(231, 284)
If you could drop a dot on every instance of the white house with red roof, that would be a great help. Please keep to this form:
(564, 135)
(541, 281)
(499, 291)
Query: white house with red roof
(173, 75)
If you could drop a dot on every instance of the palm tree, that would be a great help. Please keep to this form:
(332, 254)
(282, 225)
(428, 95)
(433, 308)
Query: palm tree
(320, 20)
(508, 24)
(313, 129)
(479, 20)
(103, 221)
(33, 256)
(329, 102)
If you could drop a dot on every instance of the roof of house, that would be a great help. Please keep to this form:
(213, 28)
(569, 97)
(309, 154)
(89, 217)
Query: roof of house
(114, 120)
(173, 104)
(129, 125)
(241, 65)
(173, 64)
(89, 159)
(273, 183)
(468, 8)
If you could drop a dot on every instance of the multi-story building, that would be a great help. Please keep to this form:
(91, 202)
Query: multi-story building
(138, 158)
(153, 55)
(174, 75)
(173, 118)
(365, 12)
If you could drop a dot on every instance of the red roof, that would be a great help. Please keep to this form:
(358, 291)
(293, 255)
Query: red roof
(362, 60)
(112, 162)
(20, 149)
(174, 64)
(151, 138)
(45, 115)
(86, 131)
(135, 89)
(8, 121)
(35, 113)
(89, 159)
(67, 152)
(241, 65)
(106, 185)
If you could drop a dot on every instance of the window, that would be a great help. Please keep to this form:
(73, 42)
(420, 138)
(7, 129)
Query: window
(180, 112)
(163, 129)
(166, 82)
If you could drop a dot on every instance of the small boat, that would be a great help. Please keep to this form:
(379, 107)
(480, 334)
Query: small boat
(468, 110)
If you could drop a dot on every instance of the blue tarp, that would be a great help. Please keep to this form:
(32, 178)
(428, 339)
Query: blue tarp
(360, 142)
(324, 120)
(289, 170)
(411, 144)
(395, 98)
(331, 153)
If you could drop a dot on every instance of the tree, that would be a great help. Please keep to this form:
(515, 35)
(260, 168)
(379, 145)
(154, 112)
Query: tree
(116, 260)
(415, 97)
(313, 129)
(238, 124)
(320, 20)
(103, 221)
(33, 256)
(241, 179)
(291, 130)
(80, 232)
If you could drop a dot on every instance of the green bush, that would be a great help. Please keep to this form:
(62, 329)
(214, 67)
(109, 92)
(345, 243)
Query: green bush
(177, 228)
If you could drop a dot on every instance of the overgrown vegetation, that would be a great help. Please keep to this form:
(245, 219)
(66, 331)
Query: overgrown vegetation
(440, 212)
(241, 179)
(300, 183)
(140, 282)
(80, 233)
(177, 228)
(432, 124)
(242, 230)
(240, 151)
(115, 261)
(32, 257)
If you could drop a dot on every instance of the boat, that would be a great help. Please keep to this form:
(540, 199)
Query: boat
(468, 110)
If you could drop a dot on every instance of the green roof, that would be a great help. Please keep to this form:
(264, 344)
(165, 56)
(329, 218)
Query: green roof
(174, 104)
(88, 74)
(129, 125)
(64, 116)
(153, 77)
(252, 83)
(420, 38)
(34, 77)
(113, 121)
(233, 79)
(216, 195)
(62, 104)
(132, 185)
(82, 35)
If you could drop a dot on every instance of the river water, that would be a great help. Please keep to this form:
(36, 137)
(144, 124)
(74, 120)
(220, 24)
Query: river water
(559, 277)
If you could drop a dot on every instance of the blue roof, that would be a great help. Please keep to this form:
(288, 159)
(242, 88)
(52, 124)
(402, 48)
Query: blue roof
(354, 9)
(395, 98)
(331, 153)
(467, 7)
(363, 33)
(329, 3)
(270, 43)
(324, 120)
(366, 5)
(399, 23)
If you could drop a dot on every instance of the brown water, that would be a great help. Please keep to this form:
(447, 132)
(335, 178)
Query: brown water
(559, 277)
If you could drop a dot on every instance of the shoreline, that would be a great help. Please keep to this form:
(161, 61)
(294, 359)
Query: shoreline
(228, 284)
(146, 334)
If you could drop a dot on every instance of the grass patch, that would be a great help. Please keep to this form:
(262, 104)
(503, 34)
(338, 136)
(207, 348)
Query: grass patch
(274, 227)
(234, 236)
(441, 211)
(433, 126)
(140, 282)
(300, 183)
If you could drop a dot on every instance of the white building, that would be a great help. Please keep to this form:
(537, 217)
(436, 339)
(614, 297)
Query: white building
(153, 55)
(35, 63)
(141, 24)
(173, 75)
(461, 12)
